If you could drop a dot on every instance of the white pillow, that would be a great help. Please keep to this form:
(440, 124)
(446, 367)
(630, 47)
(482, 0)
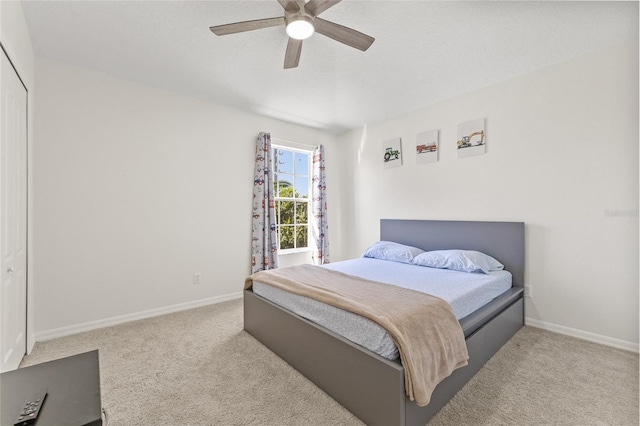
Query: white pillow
(458, 260)
(387, 250)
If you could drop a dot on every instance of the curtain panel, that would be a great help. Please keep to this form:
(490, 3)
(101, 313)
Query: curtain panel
(319, 228)
(264, 246)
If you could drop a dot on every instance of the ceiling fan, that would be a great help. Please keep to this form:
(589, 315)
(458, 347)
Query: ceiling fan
(301, 20)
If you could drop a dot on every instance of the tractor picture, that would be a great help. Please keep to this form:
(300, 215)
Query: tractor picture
(390, 152)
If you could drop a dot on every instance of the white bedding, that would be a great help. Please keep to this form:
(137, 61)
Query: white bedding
(465, 292)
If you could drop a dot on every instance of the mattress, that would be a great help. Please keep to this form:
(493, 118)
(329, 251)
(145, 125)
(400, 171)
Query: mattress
(465, 292)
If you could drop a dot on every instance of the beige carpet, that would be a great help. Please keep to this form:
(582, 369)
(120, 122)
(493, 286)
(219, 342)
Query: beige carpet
(199, 367)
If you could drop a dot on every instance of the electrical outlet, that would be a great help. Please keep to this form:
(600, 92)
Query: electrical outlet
(528, 292)
(196, 278)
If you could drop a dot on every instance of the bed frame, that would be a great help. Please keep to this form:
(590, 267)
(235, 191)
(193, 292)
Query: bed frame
(370, 386)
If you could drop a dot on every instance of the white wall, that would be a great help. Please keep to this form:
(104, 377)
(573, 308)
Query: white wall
(15, 40)
(562, 155)
(136, 189)
(129, 180)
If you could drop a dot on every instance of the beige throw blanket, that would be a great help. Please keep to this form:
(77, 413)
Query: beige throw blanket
(428, 335)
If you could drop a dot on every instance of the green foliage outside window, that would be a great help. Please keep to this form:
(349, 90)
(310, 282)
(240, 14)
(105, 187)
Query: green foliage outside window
(292, 217)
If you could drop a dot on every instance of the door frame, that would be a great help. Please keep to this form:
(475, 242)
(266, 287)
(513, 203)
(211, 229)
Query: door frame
(29, 341)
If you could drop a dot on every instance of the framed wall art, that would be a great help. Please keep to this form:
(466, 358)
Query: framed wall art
(471, 138)
(392, 153)
(427, 147)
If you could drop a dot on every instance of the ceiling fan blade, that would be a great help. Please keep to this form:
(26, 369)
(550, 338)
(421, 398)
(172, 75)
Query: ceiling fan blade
(343, 34)
(316, 7)
(289, 5)
(239, 27)
(292, 56)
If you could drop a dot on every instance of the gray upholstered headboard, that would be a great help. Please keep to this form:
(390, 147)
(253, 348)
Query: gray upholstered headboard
(501, 240)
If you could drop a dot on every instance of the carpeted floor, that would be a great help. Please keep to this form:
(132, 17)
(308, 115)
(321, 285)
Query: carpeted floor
(199, 367)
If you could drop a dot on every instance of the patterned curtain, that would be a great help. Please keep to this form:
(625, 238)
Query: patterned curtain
(264, 247)
(319, 228)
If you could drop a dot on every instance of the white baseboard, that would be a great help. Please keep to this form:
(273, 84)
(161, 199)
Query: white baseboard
(584, 335)
(107, 322)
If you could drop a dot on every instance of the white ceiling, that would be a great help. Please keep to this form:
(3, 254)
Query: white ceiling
(424, 51)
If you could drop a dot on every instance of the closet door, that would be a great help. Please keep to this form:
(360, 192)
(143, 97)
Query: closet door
(13, 217)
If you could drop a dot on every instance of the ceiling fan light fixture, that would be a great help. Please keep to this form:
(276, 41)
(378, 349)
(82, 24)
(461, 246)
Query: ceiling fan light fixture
(301, 21)
(300, 28)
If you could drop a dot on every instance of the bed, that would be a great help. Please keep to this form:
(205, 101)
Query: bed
(370, 386)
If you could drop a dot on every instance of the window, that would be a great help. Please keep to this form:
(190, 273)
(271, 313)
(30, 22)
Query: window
(292, 183)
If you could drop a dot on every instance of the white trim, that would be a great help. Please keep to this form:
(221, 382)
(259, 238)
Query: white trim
(301, 146)
(584, 335)
(306, 199)
(297, 250)
(107, 322)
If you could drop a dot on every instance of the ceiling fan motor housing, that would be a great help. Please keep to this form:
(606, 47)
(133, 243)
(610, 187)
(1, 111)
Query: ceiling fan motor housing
(300, 24)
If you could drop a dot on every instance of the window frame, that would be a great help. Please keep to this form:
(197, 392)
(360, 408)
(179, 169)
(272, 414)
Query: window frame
(307, 200)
